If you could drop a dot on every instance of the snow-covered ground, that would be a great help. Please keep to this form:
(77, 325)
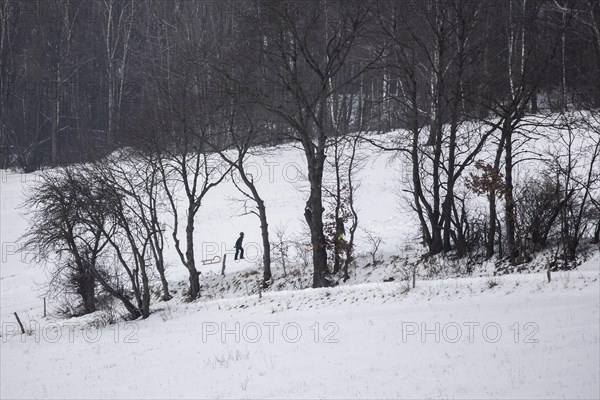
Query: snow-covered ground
(511, 336)
(519, 338)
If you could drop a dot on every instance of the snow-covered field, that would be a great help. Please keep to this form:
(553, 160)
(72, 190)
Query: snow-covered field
(522, 338)
(513, 336)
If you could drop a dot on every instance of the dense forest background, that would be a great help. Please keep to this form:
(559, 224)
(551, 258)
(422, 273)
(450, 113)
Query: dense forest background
(82, 77)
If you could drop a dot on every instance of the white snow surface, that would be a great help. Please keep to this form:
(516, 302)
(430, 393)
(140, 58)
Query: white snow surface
(511, 336)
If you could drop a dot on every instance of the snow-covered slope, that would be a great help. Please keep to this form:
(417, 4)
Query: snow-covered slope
(513, 336)
(278, 174)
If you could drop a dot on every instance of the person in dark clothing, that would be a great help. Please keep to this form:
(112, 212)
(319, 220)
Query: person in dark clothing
(238, 247)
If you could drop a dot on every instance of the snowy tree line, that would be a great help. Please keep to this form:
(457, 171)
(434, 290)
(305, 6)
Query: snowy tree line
(183, 86)
(79, 76)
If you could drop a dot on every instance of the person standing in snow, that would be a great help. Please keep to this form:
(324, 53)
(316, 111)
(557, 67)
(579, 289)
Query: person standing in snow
(238, 247)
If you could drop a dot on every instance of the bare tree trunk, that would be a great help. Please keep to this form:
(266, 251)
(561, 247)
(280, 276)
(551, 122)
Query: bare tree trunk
(87, 287)
(132, 309)
(109, 71)
(354, 225)
(160, 267)
(262, 215)
(511, 49)
(417, 188)
(100, 278)
(157, 233)
(145, 306)
(4, 15)
(56, 118)
(448, 203)
(123, 67)
(264, 230)
(117, 36)
(314, 218)
(493, 215)
(194, 291)
(508, 197)
(338, 207)
(436, 128)
(563, 100)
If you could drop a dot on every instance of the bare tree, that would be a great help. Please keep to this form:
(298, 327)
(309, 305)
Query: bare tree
(302, 50)
(57, 235)
(577, 172)
(71, 215)
(430, 52)
(182, 121)
(243, 139)
(341, 189)
(118, 21)
(527, 65)
(134, 178)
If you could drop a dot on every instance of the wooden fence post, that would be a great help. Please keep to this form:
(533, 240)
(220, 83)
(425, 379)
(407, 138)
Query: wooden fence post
(20, 324)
